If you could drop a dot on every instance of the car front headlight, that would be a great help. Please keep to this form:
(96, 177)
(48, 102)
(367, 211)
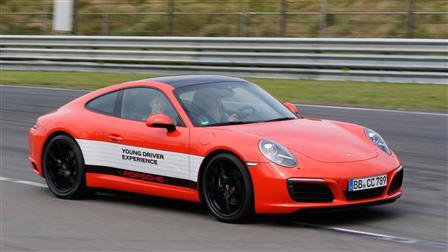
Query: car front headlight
(277, 153)
(377, 140)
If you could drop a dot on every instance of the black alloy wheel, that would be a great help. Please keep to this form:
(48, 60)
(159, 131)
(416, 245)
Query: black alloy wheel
(63, 167)
(227, 189)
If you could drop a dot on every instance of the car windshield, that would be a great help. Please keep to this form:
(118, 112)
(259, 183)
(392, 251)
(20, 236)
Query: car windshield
(230, 103)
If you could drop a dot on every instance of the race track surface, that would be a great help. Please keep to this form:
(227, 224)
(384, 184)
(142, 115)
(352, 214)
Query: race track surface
(33, 219)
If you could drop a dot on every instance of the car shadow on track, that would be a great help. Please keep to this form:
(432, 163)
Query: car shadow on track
(141, 200)
(352, 216)
(346, 217)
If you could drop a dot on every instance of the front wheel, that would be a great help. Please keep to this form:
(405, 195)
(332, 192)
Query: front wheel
(227, 189)
(63, 167)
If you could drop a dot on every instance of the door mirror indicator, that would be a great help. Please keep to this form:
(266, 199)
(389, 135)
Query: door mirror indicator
(161, 121)
(291, 107)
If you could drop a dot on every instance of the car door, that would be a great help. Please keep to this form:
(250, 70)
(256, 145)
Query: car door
(121, 144)
(147, 153)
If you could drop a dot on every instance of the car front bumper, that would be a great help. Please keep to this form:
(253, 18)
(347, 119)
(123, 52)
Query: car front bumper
(273, 186)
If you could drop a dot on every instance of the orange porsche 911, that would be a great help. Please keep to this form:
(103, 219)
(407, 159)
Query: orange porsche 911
(218, 140)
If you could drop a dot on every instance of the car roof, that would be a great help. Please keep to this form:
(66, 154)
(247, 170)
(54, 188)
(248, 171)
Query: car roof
(188, 80)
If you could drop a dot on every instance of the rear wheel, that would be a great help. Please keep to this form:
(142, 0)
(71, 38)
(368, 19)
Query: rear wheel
(63, 167)
(227, 189)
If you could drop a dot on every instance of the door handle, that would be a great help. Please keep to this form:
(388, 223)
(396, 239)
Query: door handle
(115, 138)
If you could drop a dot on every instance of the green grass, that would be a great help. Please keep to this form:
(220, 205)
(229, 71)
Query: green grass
(362, 94)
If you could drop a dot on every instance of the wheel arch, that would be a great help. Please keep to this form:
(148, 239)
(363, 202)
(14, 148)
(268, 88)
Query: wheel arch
(207, 160)
(47, 140)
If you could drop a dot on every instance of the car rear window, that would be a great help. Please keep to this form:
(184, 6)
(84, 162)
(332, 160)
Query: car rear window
(104, 104)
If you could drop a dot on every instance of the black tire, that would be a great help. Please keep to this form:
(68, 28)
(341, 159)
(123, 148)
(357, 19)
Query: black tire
(63, 167)
(227, 190)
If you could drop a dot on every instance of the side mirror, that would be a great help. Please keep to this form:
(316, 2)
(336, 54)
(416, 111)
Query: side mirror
(291, 107)
(161, 121)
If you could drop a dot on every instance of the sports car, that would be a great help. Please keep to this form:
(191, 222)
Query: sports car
(221, 141)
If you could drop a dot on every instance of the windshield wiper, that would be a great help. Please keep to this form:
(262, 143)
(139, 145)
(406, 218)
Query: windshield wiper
(230, 123)
(247, 122)
(281, 119)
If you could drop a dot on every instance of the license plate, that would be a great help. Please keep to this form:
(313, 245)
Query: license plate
(358, 184)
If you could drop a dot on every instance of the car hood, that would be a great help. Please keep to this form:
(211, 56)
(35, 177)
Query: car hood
(320, 140)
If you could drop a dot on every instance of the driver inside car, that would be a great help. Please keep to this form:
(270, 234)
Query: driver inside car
(212, 100)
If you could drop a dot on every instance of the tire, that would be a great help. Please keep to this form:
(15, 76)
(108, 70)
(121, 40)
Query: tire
(63, 167)
(227, 190)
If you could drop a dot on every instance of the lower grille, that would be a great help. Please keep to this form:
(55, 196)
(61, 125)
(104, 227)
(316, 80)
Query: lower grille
(396, 183)
(364, 194)
(309, 192)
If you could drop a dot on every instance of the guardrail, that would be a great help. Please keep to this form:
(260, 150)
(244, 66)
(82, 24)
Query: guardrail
(389, 60)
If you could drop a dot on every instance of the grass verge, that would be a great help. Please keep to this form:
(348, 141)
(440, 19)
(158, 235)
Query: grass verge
(362, 94)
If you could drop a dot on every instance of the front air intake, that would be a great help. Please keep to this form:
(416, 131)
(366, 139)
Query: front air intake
(396, 183)
(309, 192)
(364, 194)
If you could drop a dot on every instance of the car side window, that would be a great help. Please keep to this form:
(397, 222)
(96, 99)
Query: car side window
(140, 103)
(104, 104)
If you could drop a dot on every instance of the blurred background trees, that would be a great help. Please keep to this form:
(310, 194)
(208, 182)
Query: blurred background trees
(273, 18)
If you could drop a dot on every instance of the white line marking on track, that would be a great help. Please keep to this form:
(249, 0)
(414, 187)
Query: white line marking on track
(336, 229)
(373, 109)
(299, 104)
(24, 182)
(47, 88)
(378, 236)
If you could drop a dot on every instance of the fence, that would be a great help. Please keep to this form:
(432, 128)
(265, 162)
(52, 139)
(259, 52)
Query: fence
(272, 18)
(388, 60)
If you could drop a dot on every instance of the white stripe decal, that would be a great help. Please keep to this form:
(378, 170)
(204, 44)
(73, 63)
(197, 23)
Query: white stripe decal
(133, 158)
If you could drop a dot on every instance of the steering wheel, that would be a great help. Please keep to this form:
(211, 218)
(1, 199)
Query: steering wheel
(245, 111)
(196, 113)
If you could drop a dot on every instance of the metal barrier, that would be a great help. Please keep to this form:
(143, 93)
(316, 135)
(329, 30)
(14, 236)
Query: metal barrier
(390, 60)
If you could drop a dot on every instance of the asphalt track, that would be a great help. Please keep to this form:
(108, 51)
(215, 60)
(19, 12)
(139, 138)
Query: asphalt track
(32, 219)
